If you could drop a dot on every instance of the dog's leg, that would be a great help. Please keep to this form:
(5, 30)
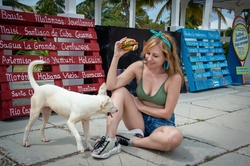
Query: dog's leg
(85, 126)
(34, 114)
(75, 133)
(46, 112)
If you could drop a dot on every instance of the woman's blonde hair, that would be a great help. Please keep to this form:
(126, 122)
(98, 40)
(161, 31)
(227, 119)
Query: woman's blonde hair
(169, 52)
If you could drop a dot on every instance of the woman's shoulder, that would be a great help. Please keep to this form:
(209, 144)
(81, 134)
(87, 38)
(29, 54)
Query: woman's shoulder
(174, 81)
(176, 78)
(136, 68)
(137, 64)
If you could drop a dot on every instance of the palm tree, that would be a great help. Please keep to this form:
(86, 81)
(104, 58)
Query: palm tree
(116, 12)
(122, 7)
(246, 15)
(142, 16)
(194, 14)
(86, 8)
(50, 7)
(165, 7)
(17, 5)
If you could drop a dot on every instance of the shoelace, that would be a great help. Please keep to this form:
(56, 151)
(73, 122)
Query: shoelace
(100, 143)
(126, 141)
(123, 141)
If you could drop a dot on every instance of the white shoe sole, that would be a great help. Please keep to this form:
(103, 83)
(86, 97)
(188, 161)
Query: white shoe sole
(108, 154)
(134, 131)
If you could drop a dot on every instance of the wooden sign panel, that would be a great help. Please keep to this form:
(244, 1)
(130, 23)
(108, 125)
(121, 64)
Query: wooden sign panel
(20, 76)
(14, 111)
(48, 29)
(46, 32)
(54, 60)
(204, 60)
(9, 15)
(54, 46)
(27, 93)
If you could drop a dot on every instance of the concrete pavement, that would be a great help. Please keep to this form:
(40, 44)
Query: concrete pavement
(215, 124)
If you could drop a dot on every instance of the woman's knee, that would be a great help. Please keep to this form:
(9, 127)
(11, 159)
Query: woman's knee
(120, 91)
(172, 139)
(175, 139)
(121, 95)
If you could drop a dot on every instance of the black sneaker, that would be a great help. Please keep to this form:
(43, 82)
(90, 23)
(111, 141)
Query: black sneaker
(105, 147)
(126, 138)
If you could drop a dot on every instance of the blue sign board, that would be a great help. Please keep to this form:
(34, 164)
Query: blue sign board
(203, 57)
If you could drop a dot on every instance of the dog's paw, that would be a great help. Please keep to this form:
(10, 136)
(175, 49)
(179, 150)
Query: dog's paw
(81, 151)
(44, 139)
(90, 148)
(26, 144)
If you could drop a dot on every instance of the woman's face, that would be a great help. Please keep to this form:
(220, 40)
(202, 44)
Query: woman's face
(155, 57)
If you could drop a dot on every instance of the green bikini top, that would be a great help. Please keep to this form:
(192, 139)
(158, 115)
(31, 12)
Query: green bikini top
(159, 98)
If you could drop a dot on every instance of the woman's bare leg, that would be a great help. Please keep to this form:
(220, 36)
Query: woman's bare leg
(164, 138)
(127, 110)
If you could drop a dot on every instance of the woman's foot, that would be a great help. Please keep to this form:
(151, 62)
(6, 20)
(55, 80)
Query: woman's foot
(106, 147)
(126, 138)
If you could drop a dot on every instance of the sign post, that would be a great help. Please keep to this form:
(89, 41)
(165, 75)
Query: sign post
(238, 51)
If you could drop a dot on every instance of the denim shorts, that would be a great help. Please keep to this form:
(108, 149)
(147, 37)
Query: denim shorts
(151, 123)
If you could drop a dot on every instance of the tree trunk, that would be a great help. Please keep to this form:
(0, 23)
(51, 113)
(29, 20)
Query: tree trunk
(126, 9)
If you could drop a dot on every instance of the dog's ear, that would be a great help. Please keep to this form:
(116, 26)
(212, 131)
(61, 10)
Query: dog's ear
(104, 102)
(102, 90)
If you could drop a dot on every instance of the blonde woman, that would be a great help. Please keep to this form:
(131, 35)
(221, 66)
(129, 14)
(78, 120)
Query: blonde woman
(149, 117)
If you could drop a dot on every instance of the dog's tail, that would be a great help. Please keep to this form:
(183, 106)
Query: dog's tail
(33, 83)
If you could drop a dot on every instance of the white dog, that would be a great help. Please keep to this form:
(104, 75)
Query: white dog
(73, 106)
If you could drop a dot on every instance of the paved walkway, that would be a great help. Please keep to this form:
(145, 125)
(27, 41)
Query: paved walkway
(215, 124)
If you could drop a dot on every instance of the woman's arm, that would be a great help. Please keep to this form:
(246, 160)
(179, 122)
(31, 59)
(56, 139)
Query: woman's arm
(173, 92)
(113, 81)
(111, 76)
(125, 77)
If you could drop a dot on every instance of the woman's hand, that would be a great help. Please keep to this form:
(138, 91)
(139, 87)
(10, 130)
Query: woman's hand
(138, 103)
(118, 51)
(146, 108)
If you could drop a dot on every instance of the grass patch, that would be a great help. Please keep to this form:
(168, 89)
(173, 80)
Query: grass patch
(207, 158)
(200, 120)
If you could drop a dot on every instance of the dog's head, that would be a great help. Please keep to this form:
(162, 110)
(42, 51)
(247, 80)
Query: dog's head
(102, 89)
(107, 106)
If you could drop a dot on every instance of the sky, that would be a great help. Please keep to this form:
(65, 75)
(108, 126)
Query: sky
(154, 11)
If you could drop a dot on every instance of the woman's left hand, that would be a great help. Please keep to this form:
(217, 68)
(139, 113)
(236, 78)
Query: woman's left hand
(138, 103)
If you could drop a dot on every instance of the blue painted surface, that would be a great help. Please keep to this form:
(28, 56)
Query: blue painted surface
(203, 57)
